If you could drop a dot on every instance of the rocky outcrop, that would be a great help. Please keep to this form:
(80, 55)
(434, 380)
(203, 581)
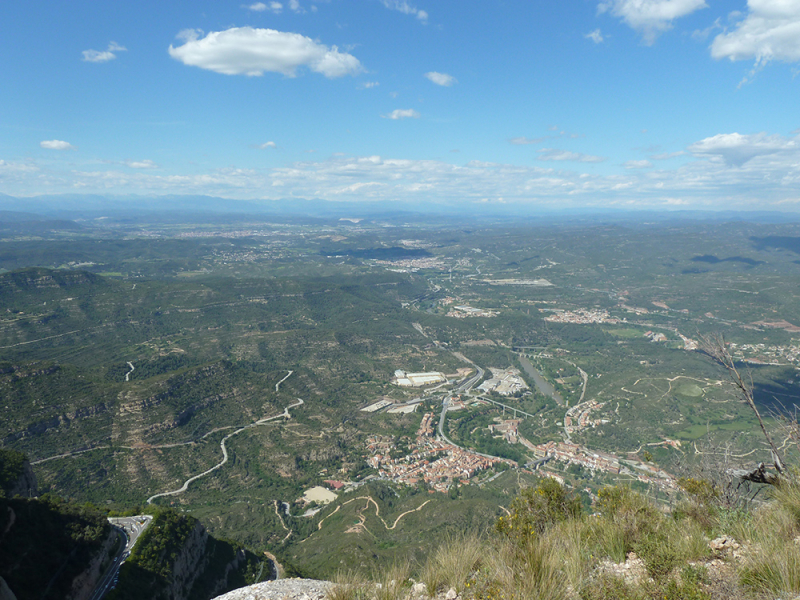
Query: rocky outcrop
(5, 591)
(63, 420)
(84, 584)
(281, 589)
(189, 563)
(177, 559)
(313, 589)
(16, 475)
(25, 485)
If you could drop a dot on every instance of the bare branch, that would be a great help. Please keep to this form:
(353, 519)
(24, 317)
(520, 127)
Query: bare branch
(714, 346)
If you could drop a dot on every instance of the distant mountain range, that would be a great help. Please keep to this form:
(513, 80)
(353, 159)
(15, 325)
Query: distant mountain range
(92, 206)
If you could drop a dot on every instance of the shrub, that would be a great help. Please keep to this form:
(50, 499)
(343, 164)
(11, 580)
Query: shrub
(626, 518)
(534, 510)
(658, 554)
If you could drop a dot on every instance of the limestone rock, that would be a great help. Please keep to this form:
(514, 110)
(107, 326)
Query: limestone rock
(723, 544)
(281, 589)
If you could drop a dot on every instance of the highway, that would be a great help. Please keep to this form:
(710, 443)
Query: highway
(464, 388)
(129, 529)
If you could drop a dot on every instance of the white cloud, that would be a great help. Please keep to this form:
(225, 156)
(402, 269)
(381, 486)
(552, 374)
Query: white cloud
(275, 7)
(736, 149)
(442, 79)
(554, 154)
(637, 164)
(141, 164)
(295, 6)
(56, 145)
(650, 18)
(770, 31)
(249, 51)
(98, 56)
(189, 35)
(705, 182)
(667, 155)
(702, 34)
(400, 113)
(406, 8)
(595, 36)
(10, 168)
(521, 141)
(266, 145)
(368, 84)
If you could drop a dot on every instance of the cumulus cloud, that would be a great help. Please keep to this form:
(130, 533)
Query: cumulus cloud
(521, 141)
(737, 149)
(295, 6)
(650, 18)
(595, 36)
(402, 113)
(141, 164)
(100, 56)
(266, 145)
(275, 7)
(406, 8)
(56, 145)
(554, 154)
(442, 79)
(637, 164)
(769, 31)
(251, 52)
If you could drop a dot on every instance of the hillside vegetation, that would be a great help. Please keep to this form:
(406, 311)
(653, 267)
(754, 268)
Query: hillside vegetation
(129, 350)
(627, 548)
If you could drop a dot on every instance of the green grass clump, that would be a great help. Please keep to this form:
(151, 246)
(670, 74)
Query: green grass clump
(775, 566)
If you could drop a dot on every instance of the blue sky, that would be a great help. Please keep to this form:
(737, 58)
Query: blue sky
(582, 103)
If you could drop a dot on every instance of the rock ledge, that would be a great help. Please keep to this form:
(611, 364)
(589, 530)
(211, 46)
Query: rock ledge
(281, 589)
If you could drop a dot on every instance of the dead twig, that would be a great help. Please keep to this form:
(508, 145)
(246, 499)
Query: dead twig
(714, 346)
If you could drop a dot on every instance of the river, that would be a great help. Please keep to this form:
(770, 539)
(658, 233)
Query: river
(542, 385)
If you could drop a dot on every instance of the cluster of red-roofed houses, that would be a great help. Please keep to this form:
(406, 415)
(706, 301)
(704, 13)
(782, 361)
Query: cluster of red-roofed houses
(577, 417)
(432, 461)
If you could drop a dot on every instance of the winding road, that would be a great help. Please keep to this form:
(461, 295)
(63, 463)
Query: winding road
(278, 385)
(285, 414)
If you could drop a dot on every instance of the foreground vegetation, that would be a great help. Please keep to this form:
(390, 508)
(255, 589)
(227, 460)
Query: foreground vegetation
(547, 547)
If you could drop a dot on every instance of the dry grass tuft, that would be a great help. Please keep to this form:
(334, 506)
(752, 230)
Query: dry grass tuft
(453, 562)
(348, 585)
